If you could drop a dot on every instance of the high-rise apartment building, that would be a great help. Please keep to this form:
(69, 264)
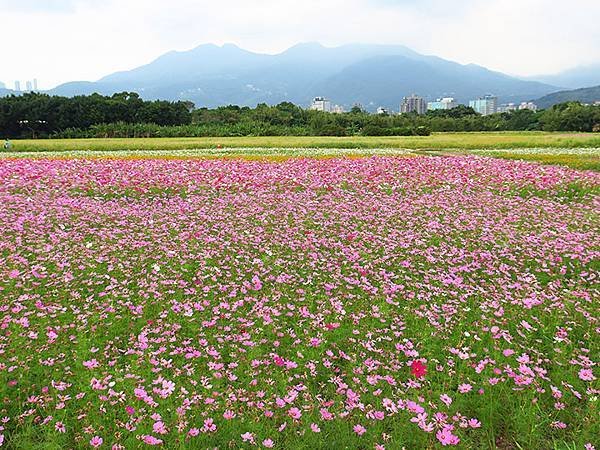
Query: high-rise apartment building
(506, 107)
(321, 104)
(485, 105)
(528, 105)
(442, 103)
(414, 103)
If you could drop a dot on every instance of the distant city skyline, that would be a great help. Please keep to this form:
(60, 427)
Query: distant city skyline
(30, 85)
(71, 40)
(414, 103)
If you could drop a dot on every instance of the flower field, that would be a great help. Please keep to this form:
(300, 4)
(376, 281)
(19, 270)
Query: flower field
(344, 303)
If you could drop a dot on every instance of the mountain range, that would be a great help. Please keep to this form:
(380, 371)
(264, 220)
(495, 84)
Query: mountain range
(576, 78)
(372, 75)
(583, 95)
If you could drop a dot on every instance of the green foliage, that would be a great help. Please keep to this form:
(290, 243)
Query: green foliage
(455, 113)
(41, 115)
(126, 115)
(572, 116)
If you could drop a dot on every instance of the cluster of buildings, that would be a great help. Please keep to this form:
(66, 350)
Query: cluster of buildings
(514, 107)
(485, 105)
(442, 103)
(30, 86)
(417, 104)
(322, 104)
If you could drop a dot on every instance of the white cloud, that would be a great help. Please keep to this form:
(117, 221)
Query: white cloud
(63, 40)
(49, 7)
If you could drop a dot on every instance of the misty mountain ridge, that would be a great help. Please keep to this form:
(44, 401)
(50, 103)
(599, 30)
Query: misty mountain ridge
(575, 78)
(588, 95)
(370, 74)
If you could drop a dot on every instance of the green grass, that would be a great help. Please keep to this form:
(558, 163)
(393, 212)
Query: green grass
(583, 162)
(576, 150)
(500, 140)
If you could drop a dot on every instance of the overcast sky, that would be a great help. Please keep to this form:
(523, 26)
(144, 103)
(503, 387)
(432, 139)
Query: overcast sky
(64, 40)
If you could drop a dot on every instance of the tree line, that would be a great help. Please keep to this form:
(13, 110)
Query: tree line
(127, 115)
(41, 115)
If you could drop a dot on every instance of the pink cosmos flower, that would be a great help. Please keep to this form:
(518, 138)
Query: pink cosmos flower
(378, 415)
(209, 426)
(446, 399)
(52, 335)
(474, 423)
(294, 413)
(446, 437)
(96, 441)
(60, 427)
(91, 364)
(315, 428)
(151, 440)
(159, 427)
(586, 375)
(325, 414)
(130, 410)
(464, 388)
(359, 429)
(228, 415)
(248, 437)
(268, 443)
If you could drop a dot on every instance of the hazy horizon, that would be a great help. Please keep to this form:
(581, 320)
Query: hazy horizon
(57, 41)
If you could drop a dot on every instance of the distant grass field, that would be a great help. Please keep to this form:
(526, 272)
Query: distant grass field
(584, 159)
(580, 151)
(501, 140)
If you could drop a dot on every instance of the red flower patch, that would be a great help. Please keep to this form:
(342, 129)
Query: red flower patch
(418, 369)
